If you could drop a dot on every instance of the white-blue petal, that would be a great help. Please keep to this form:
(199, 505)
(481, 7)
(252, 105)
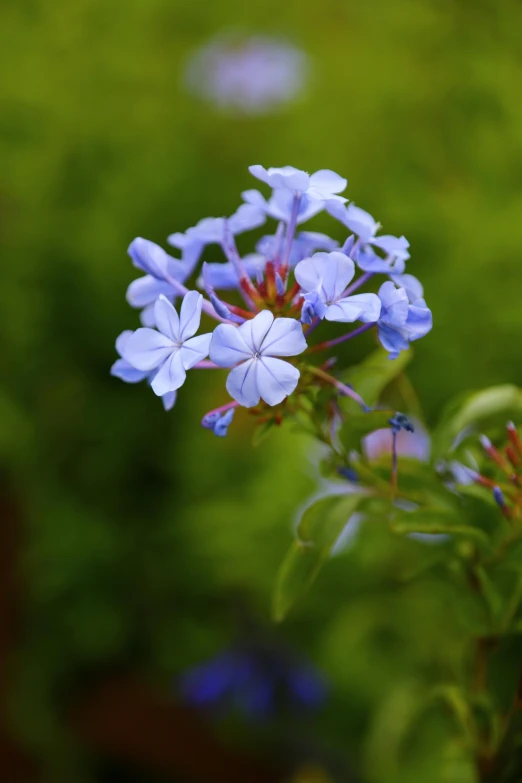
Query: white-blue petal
(144, 290)
(254, 331)
(328, 181)
(360, 307)
(242, 384)
(167, 320)
(190, 315)
(276, 379)
(227, 346)
(148, 256)
(146, 349)
(284, 338)
(126, 372)
(170, 376)
(168, 400)
(195, 350)
(326, 273)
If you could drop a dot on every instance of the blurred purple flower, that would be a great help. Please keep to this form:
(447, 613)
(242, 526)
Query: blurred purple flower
(250, 75)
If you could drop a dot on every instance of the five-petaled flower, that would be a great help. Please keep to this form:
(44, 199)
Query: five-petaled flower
(172, 349)
(324, 278)
(254, 347)
(126, 372)
(324, 185)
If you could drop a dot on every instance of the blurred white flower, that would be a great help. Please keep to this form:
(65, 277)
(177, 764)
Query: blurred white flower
(247, 74)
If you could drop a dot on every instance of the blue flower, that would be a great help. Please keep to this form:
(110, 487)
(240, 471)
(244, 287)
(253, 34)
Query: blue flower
(324, 278)
(254, 679)
(126, 372)
(210, 231)
(279, 205)
(401, 322)
(172, 349)
(324, 185)
(365, 227)
(304, 244)
(159, 266)
(219, 421)
(253, 347)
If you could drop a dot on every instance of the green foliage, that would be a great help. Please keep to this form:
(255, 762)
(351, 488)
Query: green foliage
(139, 530)
(316, 534)
(482, 556)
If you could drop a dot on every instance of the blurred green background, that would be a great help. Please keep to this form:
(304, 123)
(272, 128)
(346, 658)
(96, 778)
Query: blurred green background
(139, 534)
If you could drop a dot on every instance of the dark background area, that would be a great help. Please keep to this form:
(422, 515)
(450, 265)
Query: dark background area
(133, 542)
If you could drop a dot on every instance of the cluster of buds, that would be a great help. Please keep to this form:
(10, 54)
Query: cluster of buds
(270, 302)
(505, 481)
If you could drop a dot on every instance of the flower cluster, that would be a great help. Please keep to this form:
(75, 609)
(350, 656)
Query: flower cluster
(276, 298)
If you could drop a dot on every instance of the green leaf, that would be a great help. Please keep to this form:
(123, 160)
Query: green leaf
(319, 528)
(436, 521)
(480, 410)
(372, 376)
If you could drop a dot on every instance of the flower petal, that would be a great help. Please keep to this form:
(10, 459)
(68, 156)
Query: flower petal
(145, 290)
(190, 315)
(246, 217)
(328, 180)
(147, 316)
(393, 246)
(170, 376)
(327, 273)
(169, 399)
(148, 256)
(227, 346)
(167, 320)
(195, 349)
(419, 321)
(122, 340)
(254, 331)
(392, 340)
(411, 285)
(284, 338)
(284, 177)
(276, 379)
(242, 383)
(361, 307)
(126, 372)
(146, 349)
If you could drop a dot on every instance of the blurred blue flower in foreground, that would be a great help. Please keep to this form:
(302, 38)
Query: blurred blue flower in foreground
(255, 679)
(247, 74)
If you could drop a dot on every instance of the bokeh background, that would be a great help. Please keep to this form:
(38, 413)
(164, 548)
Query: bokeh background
(135, 544)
